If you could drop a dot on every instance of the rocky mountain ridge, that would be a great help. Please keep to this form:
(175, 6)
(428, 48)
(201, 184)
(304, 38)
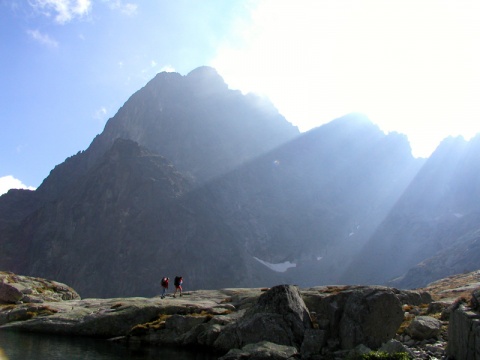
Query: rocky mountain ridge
(192, 178)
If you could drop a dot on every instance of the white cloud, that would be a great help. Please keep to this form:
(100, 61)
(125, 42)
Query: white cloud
(63, 10)
(152, 67)
(129, 9)
(42, 38)
(411, 66)
(167, 68)
(100, 114)
(9, 182)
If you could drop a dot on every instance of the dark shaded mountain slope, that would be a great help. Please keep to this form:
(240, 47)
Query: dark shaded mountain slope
(15, 206)
(126, 224)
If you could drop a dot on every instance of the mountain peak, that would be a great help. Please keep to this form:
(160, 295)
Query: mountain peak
(204, 71)
(205, 80)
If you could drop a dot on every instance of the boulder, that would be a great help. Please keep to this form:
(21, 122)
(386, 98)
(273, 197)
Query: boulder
(424, 327)
(475, 302)
(358, 351)
(15, 288)
(313, 342)
(394, 346)
(263, 350)
(412, 297)
(370, 317)
(464, 334)
(9, 294)
(354, 315)
(438, 307)
(280, 316)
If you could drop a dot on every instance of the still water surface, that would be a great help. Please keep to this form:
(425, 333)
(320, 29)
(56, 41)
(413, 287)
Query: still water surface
(17, 346)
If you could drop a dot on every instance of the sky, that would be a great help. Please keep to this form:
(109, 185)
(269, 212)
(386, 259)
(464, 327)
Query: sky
(67, 66)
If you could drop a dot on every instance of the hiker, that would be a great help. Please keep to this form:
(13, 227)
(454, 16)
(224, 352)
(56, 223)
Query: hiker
(178, 285)
(164, 286)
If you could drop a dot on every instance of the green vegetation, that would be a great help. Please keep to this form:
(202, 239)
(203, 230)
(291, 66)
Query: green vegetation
(380, 355)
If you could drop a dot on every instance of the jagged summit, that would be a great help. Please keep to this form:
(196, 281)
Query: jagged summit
(206, 81)
(195, 121)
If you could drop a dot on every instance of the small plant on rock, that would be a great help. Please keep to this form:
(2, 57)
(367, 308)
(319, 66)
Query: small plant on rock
(385, 356)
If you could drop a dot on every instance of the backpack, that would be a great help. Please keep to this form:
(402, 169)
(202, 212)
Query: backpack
(164, 282)
(178, 280)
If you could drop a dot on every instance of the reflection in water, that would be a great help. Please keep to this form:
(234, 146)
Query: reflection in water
(18, 346)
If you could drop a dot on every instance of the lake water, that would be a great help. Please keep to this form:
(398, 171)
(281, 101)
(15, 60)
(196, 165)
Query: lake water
(19, 346)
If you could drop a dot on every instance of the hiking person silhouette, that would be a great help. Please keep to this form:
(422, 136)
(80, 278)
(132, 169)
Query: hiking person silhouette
(164, 284)
(178, 285)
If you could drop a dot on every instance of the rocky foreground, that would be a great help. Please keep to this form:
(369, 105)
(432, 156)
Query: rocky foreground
(283, 322)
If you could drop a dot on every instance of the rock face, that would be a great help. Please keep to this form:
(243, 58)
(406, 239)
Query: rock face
(280, 316)
(17, 288)
(263, 350)
(356, 315)
(464, 333)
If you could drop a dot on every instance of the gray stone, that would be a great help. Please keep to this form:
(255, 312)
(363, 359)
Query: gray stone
(412, 297)
(9, 294)
(358, 351)
(313, 342)
(280, 316)
(183, 323)
(464, 334)
(437, 307)
(208, 334)
(354, 315)
(14, 288)
(424, 327)
(263, 350)
(475, 302)
(371, 317)
(394, 346)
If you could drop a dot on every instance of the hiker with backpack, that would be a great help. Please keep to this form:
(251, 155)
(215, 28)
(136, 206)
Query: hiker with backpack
(164, 284)
(178, 285)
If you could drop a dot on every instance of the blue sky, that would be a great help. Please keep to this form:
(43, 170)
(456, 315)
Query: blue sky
(66, 66)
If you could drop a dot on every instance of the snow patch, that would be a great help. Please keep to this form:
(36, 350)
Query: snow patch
(281, 267)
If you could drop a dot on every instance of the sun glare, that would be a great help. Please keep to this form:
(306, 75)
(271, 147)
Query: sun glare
(410, 66)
